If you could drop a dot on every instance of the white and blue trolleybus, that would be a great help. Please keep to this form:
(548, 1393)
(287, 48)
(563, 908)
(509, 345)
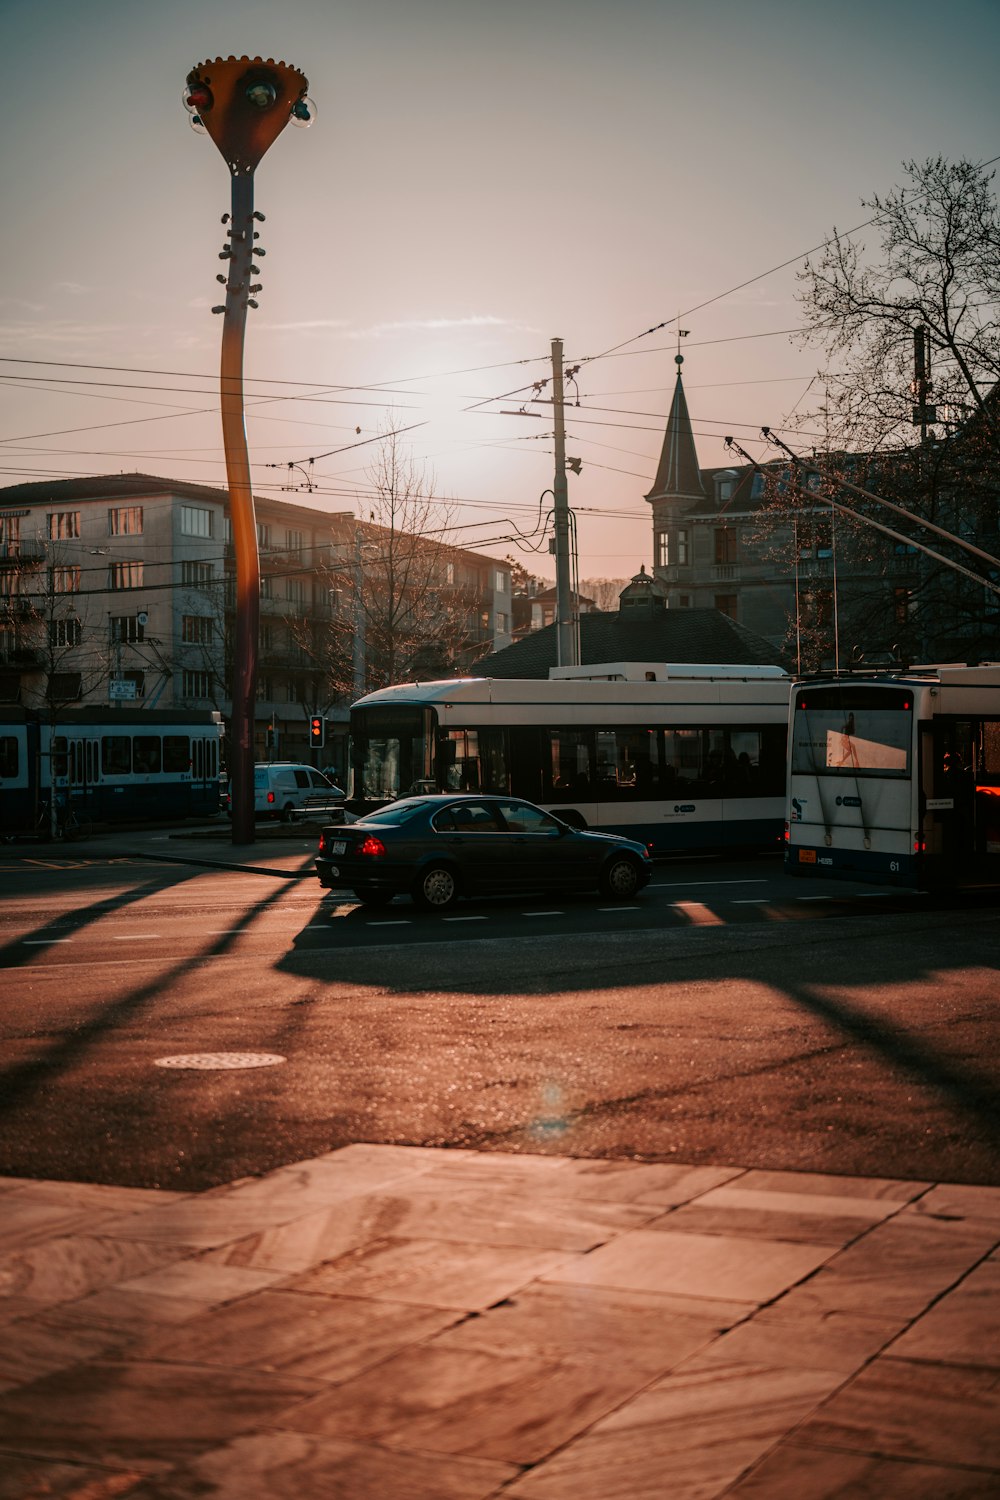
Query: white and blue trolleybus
(679, 757)
(895, 777)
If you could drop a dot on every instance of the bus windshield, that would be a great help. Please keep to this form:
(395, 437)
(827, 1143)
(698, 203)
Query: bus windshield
(864, 732)
(391, 752)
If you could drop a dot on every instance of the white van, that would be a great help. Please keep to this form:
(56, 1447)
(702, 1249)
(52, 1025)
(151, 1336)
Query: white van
(284, 789)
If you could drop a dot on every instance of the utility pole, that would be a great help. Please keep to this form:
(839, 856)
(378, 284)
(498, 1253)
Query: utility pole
(568, 655)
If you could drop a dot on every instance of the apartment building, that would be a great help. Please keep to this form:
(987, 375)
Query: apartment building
(121, 589)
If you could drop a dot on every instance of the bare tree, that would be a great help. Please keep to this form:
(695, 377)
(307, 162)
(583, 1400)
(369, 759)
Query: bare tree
(909, 408)
(603, 591)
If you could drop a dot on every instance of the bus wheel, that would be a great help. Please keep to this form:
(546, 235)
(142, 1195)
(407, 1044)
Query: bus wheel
(620, 878)
(436, 888)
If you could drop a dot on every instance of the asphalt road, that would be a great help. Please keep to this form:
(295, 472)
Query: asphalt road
(727, 1015)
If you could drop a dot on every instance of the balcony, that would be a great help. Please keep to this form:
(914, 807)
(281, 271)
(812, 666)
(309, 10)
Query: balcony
(27, 551)
(725, 572)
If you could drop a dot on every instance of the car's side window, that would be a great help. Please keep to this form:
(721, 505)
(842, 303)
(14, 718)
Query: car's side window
(520, 818)
(468, 817)
(301, 778)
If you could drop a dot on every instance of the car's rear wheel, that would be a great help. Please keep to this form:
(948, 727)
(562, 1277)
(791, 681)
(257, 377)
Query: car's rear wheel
(436, 888)
(620, 878)
(373, 898)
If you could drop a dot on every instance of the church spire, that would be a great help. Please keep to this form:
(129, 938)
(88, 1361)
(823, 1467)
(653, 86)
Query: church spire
(678, 475)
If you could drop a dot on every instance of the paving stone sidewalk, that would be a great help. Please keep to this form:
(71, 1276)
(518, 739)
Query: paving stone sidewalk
(412, 1324)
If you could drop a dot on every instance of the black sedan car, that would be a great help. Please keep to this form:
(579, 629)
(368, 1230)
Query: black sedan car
(440, 847)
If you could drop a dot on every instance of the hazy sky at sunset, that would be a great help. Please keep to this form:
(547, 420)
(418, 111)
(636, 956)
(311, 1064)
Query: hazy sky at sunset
(481, 178)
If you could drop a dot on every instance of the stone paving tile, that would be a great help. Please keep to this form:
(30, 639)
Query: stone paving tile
(320, 1234)
(694, 1265)
(294, 1333)
(819, 1217)
(889, 1190)
(296, 1466)
(593, 1325)
(443, 1400)
(48, 1479)
(203, 1222)
(796, 1472)
(62, 1269)
(35, 1347)
(841, 1341)
(956, 1200)
(325, 1180)
(201, 1281)
(688, 1437)
(945, 1414)
(897, 1269)
(499, 1216)
(143, 1416)
(963, 1328)
(433, 1273)
(120, 1315)
(584, 1178)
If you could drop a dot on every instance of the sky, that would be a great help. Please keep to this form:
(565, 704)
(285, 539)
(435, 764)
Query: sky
(480, 179)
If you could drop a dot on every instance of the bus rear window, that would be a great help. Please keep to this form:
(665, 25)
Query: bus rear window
(851, 741)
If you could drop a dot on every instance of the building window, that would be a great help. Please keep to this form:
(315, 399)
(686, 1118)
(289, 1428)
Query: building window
(196, 520)
(126, 628)
(265, 688)
(65, 632)
(125, 520)
(263, 535)
(662, 549)
(197, 684)
(64, 687)
(449, 572)
(499, 582)
(684, 601)
(10, 532)
(66, 580)
(295, 590)
(725, 545)
(196, 630)
(196, 573)
(726, 605)
(294, 541)
(683, 547)
(267, 587)
(901, 605)
(63, 525)
(227, 529)
(267, 636)
(124, 575)
(291, 691)
(501, 623)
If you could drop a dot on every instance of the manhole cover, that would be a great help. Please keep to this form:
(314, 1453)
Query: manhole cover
(214, 1060)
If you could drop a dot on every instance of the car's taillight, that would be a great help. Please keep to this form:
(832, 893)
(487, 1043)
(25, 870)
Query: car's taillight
(270, 796)
(372, 846)
(322, 843)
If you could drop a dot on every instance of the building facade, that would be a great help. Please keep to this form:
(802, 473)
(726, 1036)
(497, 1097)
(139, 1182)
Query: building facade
(121, 589)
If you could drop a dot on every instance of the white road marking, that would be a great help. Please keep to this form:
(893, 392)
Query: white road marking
(619, 908)
(542, 913)
(392, 922)
(464, 919)
(133, 937)
(689, 885)
(752, 901)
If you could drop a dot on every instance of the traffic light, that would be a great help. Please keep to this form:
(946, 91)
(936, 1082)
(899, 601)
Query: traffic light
(271, 738)
(317, 732)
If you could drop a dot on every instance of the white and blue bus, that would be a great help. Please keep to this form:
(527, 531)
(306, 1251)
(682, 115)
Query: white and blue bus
(108, 764)
(679, 757)
(895, 777)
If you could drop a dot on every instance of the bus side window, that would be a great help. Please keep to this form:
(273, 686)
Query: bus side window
(116, 755)
(8, 755)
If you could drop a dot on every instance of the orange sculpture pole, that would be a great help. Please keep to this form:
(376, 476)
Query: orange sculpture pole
(243, 104)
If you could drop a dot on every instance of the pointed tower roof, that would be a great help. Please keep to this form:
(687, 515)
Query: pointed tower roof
(678, 475)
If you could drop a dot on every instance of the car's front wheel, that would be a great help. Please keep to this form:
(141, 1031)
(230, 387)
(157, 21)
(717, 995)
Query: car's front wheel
(620, 878)
(436, 888)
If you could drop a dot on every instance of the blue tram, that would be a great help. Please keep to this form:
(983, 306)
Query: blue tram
(108, 764)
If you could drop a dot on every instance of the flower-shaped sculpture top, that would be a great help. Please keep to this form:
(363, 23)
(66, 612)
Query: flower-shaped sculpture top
(244, 104)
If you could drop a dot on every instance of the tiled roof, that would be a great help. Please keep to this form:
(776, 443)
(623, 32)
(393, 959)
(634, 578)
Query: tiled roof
(99, 486)
(696, 636)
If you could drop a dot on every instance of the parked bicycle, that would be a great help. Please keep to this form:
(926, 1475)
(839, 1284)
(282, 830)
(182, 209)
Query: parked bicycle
(67, 825)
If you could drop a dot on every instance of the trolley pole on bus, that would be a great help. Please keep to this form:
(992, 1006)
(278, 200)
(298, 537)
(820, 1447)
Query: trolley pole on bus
(566, 638)
(244, 104)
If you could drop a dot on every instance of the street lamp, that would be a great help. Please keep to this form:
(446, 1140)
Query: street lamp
(244, 104)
